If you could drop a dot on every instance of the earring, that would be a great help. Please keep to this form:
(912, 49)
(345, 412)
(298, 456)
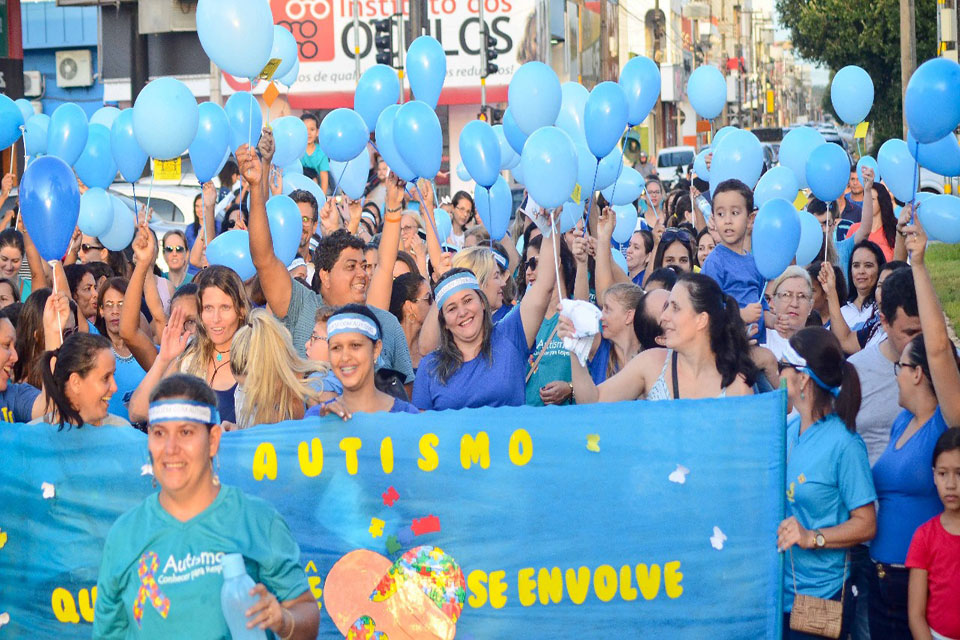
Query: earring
(216, 476)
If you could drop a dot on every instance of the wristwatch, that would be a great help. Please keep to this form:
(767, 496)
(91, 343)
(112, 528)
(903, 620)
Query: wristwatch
(818, 540)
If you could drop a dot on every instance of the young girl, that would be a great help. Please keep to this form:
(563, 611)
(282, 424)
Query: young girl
(934, 555)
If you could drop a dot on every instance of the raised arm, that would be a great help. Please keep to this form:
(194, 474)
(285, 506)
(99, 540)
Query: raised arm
(533, 307)
(424, 196)
(838, 326)
(381, 285)
(139, 343)
(581, 285)
(173, 342)
(866, 216)
(605, 277)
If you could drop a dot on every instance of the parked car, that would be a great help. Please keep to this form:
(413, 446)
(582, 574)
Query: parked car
(672, 163)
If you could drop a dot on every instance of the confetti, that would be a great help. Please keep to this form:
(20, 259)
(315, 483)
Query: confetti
(593, 443)
(717, 539)
(679, 474)
(376, 527)
(430, 524)
(146, 470)
(390, 497)
(3, 539)
(393, 545)
(48, 490)
(4, 618)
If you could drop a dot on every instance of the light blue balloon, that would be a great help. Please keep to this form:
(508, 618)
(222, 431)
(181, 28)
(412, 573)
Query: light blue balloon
(290, 169)
(378, 88)
(779, 182)
(343, 134)
(721, 134)
(96, 212)
(297, 181)
(868, 161)
(942, 156)
(508, 157)
(940, 217)
(120, 233)
(605, 118)
(462, 172)
(444, 223)
(66, 134)
(897, 166)
(515, 137)
(610, 168)
(619, 259)
(130, 158)
(738, 156)
(700, 165)
(480, 152)
(419, 138)
(776, 237)
(211, 142)
(236, 34)
(291, 77)
(851, 93)
(96, 166)
(549, 162)
(290, 136)
(352, 176)
(517, 172)
(573, 98)
(535, 96)
(35, 134)
(828, 171)
(707, 91)
(232, 249)
(811, 238)
(26, 109)
(640, 80)
(426, 65)
(494, 206)
(628, 187)
(105, 116)
(50, 203)
(245, 120)
(386, 144)
(571, 214)
(283, 216)
(626, 222)
(600, 175)
(165, 118)
(932, 101)
(11, 120)
(285, 48)
(795, 149)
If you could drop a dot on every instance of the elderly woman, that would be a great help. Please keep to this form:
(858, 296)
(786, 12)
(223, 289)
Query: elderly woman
(792, 303)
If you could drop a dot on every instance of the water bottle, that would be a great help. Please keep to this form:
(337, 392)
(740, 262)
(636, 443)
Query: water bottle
(235, 598)
(704, 205)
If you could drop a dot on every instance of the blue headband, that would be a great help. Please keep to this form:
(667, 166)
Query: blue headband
(501, 259)
(352, 323)
(455, 283)
(834, 391)
(180, 410)
(794, 358)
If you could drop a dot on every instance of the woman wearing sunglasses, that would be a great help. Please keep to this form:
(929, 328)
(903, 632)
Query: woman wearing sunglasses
(175, 255)
(410, 302)
(675, 249)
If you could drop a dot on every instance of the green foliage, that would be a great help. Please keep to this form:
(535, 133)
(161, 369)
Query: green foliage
(865, 33)
(943, 261)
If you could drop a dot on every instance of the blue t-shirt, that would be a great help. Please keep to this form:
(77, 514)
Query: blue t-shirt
(638, 279)
(739, 277)
(502, 312)
(905, 488)
(399, 406)
(597, 365)
(16, 402)
(479, 382)
(828, 476)
(128, 377)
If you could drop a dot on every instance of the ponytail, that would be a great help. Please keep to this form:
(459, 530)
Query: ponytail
(847, 403)
(56, 395)
(836, 387)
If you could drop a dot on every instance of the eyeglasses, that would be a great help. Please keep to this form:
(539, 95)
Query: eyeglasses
(427, 298)
(786, 365)
(672, 234)
(306, 219)
(113, 305)
(90, 247)
(190, 325)
(897, 366)
(801, 298)
(315, 338)
(174, 249)
(531, 264)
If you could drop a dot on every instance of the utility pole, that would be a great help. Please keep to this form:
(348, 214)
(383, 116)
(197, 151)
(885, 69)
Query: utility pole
(908, 52)
(483, 57)
(356, 38)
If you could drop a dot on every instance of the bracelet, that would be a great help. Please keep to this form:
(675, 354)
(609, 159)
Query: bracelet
(293, 624)
(397, 210)
(396, 219)
(572, 394)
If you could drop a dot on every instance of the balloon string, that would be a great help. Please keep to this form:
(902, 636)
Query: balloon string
(149, 193)
(203, 218)
(586, 222)
(556, 253)
(250, 118)
(619, 172)
(916, 177)
(429, 216)
(490, 212)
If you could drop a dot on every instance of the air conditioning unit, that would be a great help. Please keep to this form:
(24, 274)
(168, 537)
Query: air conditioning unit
(32, 84)
(74, 68)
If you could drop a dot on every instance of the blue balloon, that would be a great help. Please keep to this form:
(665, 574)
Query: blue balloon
(352, 176)
(549, 163)
(795, 149)
(707, 91)
(11, 119)
(232, 249)
(897, 166)
(515, 137)
(940, 217)
(426, 65)
(626, 223)
(236, 34)
(627, 188)
(811, 238)
(508, 157)
(167, 101)
(386, 144)
(604, 118)
(378, 88)
(50, 203)
(105, 116)
(620, 260)
(700, 165)
(291, 77)
(517, 173)
(942, 156)
(122, 228)
(419, 138)
(283, 216)
(290, 169)
(494, 206)
(721, 134)
(290, 136)
(573, 98)
(851, 93)
(26, 109)
(610, 169)
(96, 166)
(480, 152)
(776, 237)
(571, 214)
(828, 171)
(67, 132)
(130, 158)
(285, 49)
(640, 81)
(245, 120)
(211, 142)
(96, 212)
(535, 96)
(343, 134)
(738, 156)
(868, 161)
(444, 224)
(779, 182)
(932, 101)
(35, 134)
(587, 169)
(462, 172)
(297, 181)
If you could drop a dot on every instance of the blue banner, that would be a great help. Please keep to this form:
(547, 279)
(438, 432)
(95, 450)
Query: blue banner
(636, 519)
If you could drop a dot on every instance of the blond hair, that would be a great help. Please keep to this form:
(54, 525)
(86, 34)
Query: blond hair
(200, 350)
(793, 271)
(275, 387)
(480, 260)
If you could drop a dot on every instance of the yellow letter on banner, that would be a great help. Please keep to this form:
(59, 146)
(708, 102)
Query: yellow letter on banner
(605, 582)
(521, 447)
(578, 583)
(429, 460)
(525, 586)
(311, 457)
(386, 454)
(550, 585)
(671, 579)
(477, 584)
(88, 600)
(498, 589)
(64, 606)
(265, 462)
(475, 451)
(350, 446)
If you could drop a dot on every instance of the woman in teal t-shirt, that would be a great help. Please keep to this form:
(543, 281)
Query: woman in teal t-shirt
(161, 574)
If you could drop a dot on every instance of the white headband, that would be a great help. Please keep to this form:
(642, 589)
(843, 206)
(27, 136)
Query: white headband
(178, 410)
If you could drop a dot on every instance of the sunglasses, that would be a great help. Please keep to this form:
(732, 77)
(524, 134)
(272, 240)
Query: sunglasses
(531, 264)
(174, 249)
(781, 365)
(90, 247)
(676, 234)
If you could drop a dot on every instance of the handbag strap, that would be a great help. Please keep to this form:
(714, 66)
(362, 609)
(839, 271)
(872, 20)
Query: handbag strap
(543, 351)
(676, 382)
(843, 583)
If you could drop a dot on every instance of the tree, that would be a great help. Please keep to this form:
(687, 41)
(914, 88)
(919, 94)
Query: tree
(865, 33)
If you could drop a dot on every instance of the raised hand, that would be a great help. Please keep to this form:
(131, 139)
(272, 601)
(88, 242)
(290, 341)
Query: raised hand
(915, 239)
(174, 340)
(250, 167)
(143, 245)
(868, 176)
(606, 223)
(276, 180)
(7, 184)
(267, 146)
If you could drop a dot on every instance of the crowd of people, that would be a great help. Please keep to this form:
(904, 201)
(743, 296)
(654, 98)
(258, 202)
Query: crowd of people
(379, 314)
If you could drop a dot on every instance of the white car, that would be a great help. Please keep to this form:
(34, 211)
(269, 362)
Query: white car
(672, 163)
(172, 206)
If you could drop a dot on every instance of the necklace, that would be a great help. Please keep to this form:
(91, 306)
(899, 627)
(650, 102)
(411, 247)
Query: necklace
(220, 354)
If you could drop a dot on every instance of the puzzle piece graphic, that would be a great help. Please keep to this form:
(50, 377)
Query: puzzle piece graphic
(393, 545)
(390, 497)
(717, 539)
(376, 527)
(421, 526)
(49, 490)
(405, 536)
(679, 474)
(593, 442)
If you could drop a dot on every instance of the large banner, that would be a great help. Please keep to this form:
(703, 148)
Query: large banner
(635, 519)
